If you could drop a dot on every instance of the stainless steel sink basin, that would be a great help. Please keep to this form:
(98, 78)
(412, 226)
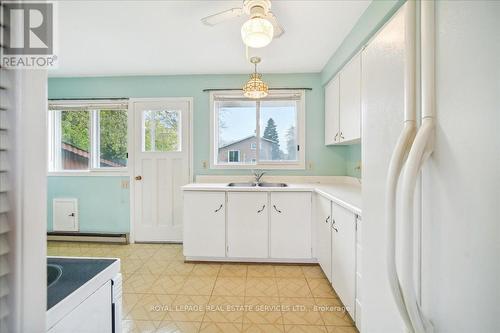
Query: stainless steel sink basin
(241, 184)
(273, 185)
(54, 272)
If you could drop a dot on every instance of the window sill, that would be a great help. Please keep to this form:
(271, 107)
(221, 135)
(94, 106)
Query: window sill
(89, 173)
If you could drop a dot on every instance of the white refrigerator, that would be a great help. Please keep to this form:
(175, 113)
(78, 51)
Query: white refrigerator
(455, 261)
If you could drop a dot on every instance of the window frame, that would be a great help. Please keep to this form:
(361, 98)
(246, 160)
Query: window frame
(299, 164)
(54, 139)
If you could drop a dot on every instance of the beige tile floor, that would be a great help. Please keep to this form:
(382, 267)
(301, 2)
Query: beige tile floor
(164, 294)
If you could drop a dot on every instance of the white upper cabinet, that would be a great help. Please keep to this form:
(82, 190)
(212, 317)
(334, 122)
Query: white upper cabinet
(332, 107)
(350, 101)
(204, 224)
(247, 225)
(343, 105)
(291, 225)
(344, 256)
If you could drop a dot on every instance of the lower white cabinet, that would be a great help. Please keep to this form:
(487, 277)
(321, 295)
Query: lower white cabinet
(204, 224)
(324, 236)
(344, 256)
(290, 225)
(247, 225)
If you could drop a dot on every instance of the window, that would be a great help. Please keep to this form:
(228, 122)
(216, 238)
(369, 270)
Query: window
(266, 133)
(233, 156)
(161, 131)
(88, 136)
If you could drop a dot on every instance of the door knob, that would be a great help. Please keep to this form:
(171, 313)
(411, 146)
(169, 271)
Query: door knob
(138, 177)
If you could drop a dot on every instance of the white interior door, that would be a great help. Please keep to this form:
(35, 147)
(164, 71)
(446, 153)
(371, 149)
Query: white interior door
(162, 163)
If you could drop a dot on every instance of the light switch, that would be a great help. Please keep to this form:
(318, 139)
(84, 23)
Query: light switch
(125, 184)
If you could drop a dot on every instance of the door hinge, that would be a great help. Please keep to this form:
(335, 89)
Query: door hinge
(127, 155)
(298, 147)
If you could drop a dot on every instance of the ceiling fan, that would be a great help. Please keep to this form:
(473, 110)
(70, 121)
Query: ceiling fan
(261, 27)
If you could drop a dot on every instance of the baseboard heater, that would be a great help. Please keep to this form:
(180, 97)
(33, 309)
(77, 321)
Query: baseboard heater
(88, 237)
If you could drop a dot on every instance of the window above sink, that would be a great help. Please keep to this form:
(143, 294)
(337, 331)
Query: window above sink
(266, 133)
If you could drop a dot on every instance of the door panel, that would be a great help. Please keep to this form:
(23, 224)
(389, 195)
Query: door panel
(344, 255)
(332, 105)
(323, 224)
(291, 225)
(205, 226)
(247, 225)
(350, 100)
(161, 168)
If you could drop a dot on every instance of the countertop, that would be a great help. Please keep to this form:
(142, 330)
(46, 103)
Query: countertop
(345, 194)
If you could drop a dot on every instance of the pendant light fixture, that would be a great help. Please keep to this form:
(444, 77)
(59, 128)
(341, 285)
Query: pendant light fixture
(255, 88)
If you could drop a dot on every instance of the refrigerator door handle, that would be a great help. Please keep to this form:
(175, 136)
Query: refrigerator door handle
(396, 164)
(398, 160)
(421, 149)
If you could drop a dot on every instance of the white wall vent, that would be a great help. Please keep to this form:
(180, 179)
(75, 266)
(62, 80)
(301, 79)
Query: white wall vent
(65, 214)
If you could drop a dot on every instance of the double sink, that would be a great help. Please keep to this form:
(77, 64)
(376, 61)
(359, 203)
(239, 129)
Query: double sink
(257, 184)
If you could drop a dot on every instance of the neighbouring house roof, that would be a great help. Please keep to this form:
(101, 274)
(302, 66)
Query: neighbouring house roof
(245, 139)
(85, 154)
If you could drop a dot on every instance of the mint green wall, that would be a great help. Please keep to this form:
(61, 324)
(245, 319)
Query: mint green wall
(353, 160)
(372, 19)
(324, 160)
(102, 202)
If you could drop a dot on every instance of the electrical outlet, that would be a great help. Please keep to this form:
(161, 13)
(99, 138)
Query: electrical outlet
(125, 184)
(204, 164)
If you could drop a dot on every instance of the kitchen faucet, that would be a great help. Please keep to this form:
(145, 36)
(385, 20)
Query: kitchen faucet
(258, 175)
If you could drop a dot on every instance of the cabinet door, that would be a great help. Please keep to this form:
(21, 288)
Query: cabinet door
(350, 100)
(247, 225)
(344, 255)
(291, 225)
(204, 224)
(332, 104)
(323, 231)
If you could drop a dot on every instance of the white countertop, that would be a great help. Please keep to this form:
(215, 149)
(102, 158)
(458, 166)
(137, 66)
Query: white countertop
(346, 195)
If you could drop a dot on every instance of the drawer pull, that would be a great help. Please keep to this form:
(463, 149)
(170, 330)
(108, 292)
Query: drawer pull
(262, 209)
(218, 209)
(276, 209)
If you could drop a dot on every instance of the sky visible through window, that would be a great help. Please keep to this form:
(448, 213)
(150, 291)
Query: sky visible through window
(240, 122)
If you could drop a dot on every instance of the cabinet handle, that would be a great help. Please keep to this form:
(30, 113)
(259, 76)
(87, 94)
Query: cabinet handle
(260, 210)
(276, 209)
(336, 135)
(333, 221)
(327, 219)
(341, 136)
(218, 208)
(336, 230)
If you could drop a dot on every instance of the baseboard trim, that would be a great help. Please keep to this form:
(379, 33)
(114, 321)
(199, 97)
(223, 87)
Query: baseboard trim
(252, 260)
(88, 237)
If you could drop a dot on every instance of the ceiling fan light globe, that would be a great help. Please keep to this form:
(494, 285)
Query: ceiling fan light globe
(257, 32)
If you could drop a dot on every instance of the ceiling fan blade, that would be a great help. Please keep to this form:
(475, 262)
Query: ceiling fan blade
(278, 29)
(222, 16)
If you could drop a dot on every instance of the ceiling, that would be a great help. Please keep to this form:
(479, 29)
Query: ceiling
(100, 38)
